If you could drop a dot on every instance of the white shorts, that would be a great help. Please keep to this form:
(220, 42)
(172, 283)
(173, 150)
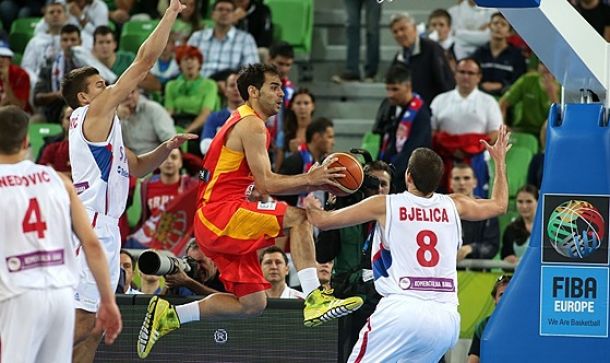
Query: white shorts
(407, 329)
(37, 327)
(87, 296)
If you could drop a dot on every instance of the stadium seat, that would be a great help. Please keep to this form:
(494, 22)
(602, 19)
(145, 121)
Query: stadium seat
(525, 140)
(132, 42)
(37, 133)
(295, 20)
(139, 27)
(134, 212)
(22, 30)
(370, 143)
(517, 163)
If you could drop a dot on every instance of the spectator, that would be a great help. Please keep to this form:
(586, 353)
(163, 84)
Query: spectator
(352, 33)
(480, 239)
(461, 118)
(150, 284)
(530, 98)
(218, 118)
(319, 141)
(56, 153)
(597, 14)
(13, 9)
(254, 17)
(164, 70)
(439, 26)
(188, 21)
(325, 273)
(44, 45)
(128, 264)
(300, 113)
(501, 63)
(536, 167)
(426, 59)
(517, 234)
(145, 124)
(224, 46)
(104, 49)
(470, 27)
(403, 121)
(474, 354)
(14, 81)
(274, 264)
(203, 279)
(88, 14)
(190, 98)
(47, 91)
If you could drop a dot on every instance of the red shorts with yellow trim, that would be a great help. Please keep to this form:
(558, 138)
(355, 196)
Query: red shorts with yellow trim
(231, 233)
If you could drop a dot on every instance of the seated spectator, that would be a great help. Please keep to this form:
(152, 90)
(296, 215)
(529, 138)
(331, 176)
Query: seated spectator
(430, 70)
(481, 239)
(188, 21)
(254, 17)
(501, 63)
(14, 81)
(218, 118)
(47, 91)
(474, 354)
(536, 167)
(325, 274)
(128, 265)
(530, 98)
(274, 264)
(104, 49)
(517, 234)
(300, 113)
(56, 153)
(204, 279)
(439, 26)
(150, 284)
(460, 119)
(145, 124)
(224, 46)
(403, 121)
(470, 24)
(190, 98)
(165, 69)
(44, 45)
(88, 14)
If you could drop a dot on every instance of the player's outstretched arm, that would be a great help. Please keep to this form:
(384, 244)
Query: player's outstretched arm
(104, 105)
(479, 209)
(142, 165)
(370, 209)
(108, 316)
(253, 133)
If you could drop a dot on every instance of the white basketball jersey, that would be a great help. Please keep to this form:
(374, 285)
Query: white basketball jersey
(35, 227)
(415, 252)
(99, 169)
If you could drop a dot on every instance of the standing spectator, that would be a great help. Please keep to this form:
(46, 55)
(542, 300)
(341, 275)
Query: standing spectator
(597, 14)
(274, 264)
(104, 49)
(461, 118)
(439, 25)
(254, 17)
(352, 32)
(218, 118)
(145, 124)
(403, 121)
(470, 27)
(430, 70)
(501, 63)
(224, 46)
(14, 81)
(517, 234)
(56, 154)
(480, 239)
(47, 91)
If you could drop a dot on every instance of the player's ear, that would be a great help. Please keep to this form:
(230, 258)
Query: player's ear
(82, 98)
(253, 91)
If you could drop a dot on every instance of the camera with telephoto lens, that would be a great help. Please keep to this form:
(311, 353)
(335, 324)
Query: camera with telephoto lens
(152, 262)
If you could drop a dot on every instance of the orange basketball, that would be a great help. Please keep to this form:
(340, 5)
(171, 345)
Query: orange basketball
(354, 174)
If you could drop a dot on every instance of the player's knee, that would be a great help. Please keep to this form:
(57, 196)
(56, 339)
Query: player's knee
(254, 308)
(295, 217)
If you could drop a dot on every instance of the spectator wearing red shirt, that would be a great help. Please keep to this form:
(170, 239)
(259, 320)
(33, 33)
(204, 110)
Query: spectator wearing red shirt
(14, 81)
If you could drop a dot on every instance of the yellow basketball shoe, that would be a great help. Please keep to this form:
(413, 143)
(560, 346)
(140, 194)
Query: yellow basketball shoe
(160, 319)
(321, 306)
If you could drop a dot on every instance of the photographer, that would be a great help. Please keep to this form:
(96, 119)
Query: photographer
(202, 279)
(351, 249)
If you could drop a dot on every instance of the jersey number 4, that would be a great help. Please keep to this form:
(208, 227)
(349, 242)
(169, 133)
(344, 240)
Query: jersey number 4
(427, 255)
(32, 222)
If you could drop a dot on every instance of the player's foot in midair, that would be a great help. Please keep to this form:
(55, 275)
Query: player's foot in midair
(160, 319)
(321, 306)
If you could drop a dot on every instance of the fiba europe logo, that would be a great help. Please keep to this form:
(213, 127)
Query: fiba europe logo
(575, 229)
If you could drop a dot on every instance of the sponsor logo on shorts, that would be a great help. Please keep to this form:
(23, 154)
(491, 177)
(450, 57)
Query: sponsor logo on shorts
(35, 259)
(266, 205)
(433, 284)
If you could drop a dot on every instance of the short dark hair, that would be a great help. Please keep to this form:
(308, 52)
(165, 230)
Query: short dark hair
(440, 13)
(318, 126)
(14, 126)
(497, 14)
(69, 29)
(502, 281)
(398, 73)
(133, 260)
(224, 1)
(253, 75)
(426, 169)
(469, 59)
(75, 82)
(283, 49)
(273, 249)
(192, 244)
(102, 30)
(462, 165)
(379, 165)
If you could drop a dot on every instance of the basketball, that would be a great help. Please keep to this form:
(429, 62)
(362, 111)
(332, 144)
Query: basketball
(354, 174)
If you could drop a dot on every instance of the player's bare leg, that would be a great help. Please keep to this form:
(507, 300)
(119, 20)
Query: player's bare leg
(85, 342)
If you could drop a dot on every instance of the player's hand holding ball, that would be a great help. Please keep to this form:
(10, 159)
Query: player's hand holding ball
(353, 174)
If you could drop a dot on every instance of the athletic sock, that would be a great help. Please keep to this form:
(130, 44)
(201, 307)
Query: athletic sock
(309, 279)
(188, 312)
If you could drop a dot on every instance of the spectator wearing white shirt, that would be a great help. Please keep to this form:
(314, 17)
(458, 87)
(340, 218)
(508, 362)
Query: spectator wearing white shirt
(274, 264)
(470, 25)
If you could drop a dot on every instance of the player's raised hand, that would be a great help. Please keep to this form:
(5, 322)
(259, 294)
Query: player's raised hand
(500, 148)
(323, 174)
(177, 140)
(176, 6)
(108, 321)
